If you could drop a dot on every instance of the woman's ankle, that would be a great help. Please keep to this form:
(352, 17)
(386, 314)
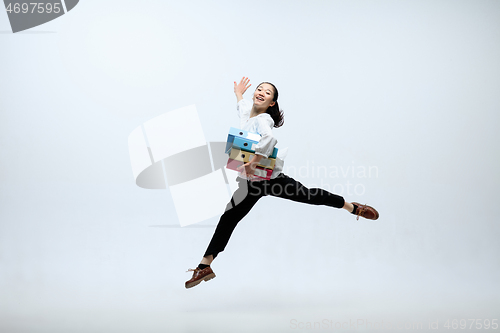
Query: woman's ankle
(207, 260)
(348, 206)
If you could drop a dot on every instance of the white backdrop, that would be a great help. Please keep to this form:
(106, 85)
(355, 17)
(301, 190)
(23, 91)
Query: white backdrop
(408, 88)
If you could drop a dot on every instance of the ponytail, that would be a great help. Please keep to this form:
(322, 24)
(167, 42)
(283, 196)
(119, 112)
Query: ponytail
(277, 115)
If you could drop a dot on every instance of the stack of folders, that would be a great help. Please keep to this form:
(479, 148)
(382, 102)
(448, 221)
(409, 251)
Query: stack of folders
(240, 147)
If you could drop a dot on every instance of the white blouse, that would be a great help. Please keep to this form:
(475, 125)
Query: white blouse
(263, 125)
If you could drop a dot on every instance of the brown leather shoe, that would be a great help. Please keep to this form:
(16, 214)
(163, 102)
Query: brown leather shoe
(200, 275)
(365, 211)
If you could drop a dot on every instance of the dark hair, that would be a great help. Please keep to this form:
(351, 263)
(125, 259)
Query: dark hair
(274, 111)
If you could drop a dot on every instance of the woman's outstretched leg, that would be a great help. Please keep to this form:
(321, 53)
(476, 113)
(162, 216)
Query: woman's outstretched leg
(244, 198)
(288, 188)
(234, 213)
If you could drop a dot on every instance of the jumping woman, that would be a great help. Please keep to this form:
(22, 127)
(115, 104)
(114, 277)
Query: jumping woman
(260, 117)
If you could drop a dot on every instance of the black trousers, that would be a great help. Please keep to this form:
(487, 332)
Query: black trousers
(249, 192)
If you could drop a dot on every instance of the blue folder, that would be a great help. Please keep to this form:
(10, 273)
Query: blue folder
(244, 140)
(243, 134)
(235, 132)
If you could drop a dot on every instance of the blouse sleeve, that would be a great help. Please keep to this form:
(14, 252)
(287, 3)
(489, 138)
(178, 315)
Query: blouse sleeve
(267, 142)
(243, 108)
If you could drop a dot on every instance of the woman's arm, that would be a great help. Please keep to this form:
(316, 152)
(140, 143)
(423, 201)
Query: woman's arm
(251, 166)
(265, 146)
(267, 141)
(240, 88)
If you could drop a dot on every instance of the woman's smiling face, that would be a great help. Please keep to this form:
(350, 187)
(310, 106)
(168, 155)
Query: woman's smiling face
(263, 96)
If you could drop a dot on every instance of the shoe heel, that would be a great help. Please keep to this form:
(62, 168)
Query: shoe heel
(193, 284)
(209, 277)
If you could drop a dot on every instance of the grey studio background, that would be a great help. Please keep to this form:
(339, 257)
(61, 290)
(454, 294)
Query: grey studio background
(410, 88)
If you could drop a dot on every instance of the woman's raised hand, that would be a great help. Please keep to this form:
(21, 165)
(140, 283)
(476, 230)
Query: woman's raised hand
(240, 88)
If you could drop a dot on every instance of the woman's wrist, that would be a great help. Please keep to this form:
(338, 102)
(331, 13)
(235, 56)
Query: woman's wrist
(256, 158)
